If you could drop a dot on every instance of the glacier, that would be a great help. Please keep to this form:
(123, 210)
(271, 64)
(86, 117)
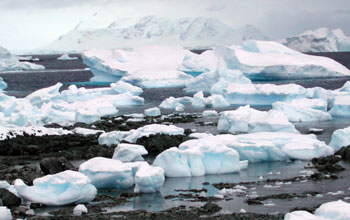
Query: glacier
(9, 62)
(117, 32)
(264, 146)
(340, 138)
(334, 210)
(319, 40)
(249, 120)
(63, 188)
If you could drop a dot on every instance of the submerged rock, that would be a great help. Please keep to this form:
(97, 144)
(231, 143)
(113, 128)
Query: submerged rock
(53, 165)
(9, 199)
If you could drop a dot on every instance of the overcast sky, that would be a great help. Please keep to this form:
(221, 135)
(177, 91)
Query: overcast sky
(29, 24)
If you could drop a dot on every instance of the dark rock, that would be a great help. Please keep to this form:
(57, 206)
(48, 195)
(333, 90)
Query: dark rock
(344, 152)
(318, 176)
(53, 165)
(210, 207)
(9, 199)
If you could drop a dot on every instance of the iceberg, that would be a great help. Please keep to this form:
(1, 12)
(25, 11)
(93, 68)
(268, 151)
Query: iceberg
(173, 103)
(340, 106)
(297, 113)
(268, 60)
(9, 62)
(107, 173)
(265, 146)
(340, 138)
(248, 120)
(214, 101)
(149, 179)
(68, 187)
(146, 67)
(317, 104)
(335, 210)
(199, 161)
(319, 40)
(5, 213)
(129, 152)
(152, 112)
(79, 210)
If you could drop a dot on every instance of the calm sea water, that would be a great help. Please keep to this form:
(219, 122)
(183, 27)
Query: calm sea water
(75, 72)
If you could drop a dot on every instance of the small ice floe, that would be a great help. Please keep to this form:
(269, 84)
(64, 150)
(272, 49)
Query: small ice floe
(261, 177)
(30, 212)
(235, 190)
(307, 172)
(79, 210)
(149, 179)
(203, 194)
(67, 57)
(269, 203)
(336, 193)
(347, 198)
(218, 196)
(271, 186)
(200, 135)
(152, 112)
(340, 138)
(210, 113)
(123, 87)
(86, 131)
(242, 211)
(5, 213)
(319, 196)
(179, 108)
(315, 131)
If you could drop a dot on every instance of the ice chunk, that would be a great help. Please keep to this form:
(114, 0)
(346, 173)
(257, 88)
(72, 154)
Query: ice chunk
(123, 87)
(247, 120)
(335, 210)
(340, 138)
(60, 189)
(67, 57)
(340, 106)
(215, 101)
(5, 213)
(45, 95)
(3, 84)
(296, 113)
(129, 152)
(265, 146)
(148, 130)
(171, 103)
(79, 210)
(86, 131)
(152, 112)
(210, 113)
(198, 161)
(149, 179)
(261, 60)
(318, 104)
(107, 173)
(262, 94)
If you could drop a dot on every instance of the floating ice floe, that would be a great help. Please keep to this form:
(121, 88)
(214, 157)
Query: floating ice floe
(64, 188)
(199, 161)
(210, 113)
(297, 113)
(262, 60)
(113, 137)
(9, 62)
(67, 57)
(124, 87)
(264, 146)
(336, 210)
(129, 152)
(5, 213)
(152, 112)
(340, 106)
(79, 210)
(248, 120)
(314, 103)
(149, 179)
(173, 103)
(147, 67)
(340, 138)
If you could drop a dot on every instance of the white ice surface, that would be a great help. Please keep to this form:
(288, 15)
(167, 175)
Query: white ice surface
(129, 152)
(149, 179)
(340, 138)
(67, 57)
(5, 213)
(152, 112)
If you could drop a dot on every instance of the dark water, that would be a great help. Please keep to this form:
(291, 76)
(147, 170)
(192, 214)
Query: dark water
(73, 72)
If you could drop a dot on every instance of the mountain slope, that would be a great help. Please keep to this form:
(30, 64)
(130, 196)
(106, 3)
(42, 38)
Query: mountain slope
(193, 32)
(319, 40)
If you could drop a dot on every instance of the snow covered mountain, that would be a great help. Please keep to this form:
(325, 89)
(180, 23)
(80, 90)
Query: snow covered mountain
(193, 32)
(319, 40)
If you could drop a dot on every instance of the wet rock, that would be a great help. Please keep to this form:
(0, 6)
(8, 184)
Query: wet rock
(9, 199)
(344, 152)
(210, 207)
(327, 164)
(53, 165)
(157, 143)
